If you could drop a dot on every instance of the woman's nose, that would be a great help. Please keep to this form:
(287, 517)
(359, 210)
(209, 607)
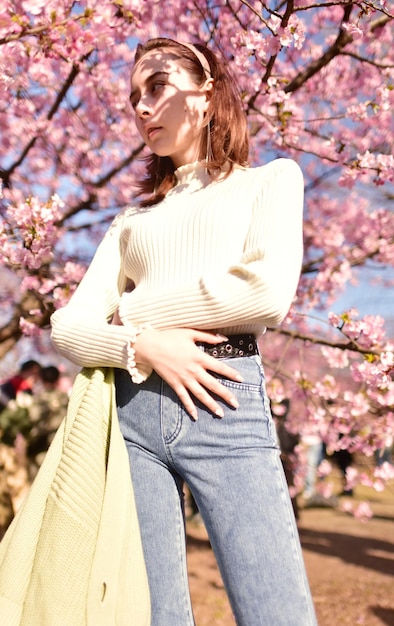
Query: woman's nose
(142, 109)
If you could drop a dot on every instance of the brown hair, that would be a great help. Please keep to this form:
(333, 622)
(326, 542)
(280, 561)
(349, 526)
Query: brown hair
(229, 138)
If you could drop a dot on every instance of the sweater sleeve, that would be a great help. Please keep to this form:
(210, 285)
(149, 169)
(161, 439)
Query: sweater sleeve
(259, 289)
(81, 330)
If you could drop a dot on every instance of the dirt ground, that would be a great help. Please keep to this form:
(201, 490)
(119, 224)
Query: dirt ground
(350, 565)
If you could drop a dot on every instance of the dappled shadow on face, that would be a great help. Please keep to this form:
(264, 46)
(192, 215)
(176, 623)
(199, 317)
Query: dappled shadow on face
(176, 104)
(367, 552)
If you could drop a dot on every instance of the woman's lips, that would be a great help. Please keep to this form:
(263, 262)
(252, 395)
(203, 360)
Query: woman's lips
(152, 131)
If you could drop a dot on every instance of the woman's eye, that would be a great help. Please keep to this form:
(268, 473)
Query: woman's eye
(153, 89)
(156, 87)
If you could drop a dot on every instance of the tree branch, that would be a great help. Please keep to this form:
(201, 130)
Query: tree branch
(99, 184)
(341, 41)
(321, 341)
(11, 332)
(357, 57)
(6, 174)
(271, 62)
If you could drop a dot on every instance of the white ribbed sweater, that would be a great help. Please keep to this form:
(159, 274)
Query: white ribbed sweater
(223, 255)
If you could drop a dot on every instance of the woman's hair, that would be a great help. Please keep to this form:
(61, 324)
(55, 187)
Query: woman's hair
(228, 142)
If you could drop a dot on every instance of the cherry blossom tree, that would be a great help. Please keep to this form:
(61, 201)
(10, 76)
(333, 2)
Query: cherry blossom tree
(317, 82)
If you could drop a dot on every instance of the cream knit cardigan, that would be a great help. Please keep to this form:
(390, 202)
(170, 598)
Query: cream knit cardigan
(72, 556)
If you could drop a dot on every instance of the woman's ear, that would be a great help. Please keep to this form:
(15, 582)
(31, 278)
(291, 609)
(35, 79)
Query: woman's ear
(206, 90)
(208, 86)
(206, 93)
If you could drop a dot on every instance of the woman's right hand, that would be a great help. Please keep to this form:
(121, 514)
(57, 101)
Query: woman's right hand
(174, 355)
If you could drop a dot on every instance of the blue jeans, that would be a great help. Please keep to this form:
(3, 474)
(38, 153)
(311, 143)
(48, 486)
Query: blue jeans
(234, 472)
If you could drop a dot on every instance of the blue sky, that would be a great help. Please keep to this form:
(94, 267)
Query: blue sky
(371, 299)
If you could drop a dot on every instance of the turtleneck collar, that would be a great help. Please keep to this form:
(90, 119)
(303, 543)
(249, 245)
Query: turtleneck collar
(191, 177)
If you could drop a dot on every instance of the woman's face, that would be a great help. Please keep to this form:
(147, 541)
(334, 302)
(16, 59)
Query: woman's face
(169, 107)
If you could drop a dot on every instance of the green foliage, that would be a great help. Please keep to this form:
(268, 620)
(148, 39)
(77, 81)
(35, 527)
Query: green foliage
(14, 419)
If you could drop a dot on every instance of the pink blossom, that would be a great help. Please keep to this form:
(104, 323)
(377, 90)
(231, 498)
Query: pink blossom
(384, 472)
(347, 506)
(369, 373)
(274, 23)
(28, 328)
(293, 33)
(366, 479)
(73, 272)
(353, 30)
(335, 357)
(324, 469)
(31, 232)
(379, 485)
(363, 512)
(326, 388)
(326, 489)
(358, 111)
(334, 319)
(30, 283)
(34, 7)
(352, 477)
(387, 359)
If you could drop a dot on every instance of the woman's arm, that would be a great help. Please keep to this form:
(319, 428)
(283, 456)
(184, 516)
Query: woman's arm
(81, 330)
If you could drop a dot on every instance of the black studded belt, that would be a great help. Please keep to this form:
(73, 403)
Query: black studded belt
(235, 346)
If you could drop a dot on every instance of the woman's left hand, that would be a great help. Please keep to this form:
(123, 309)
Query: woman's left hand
(189, 371)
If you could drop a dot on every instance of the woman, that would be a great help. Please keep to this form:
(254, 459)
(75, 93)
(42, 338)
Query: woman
(174, 299)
